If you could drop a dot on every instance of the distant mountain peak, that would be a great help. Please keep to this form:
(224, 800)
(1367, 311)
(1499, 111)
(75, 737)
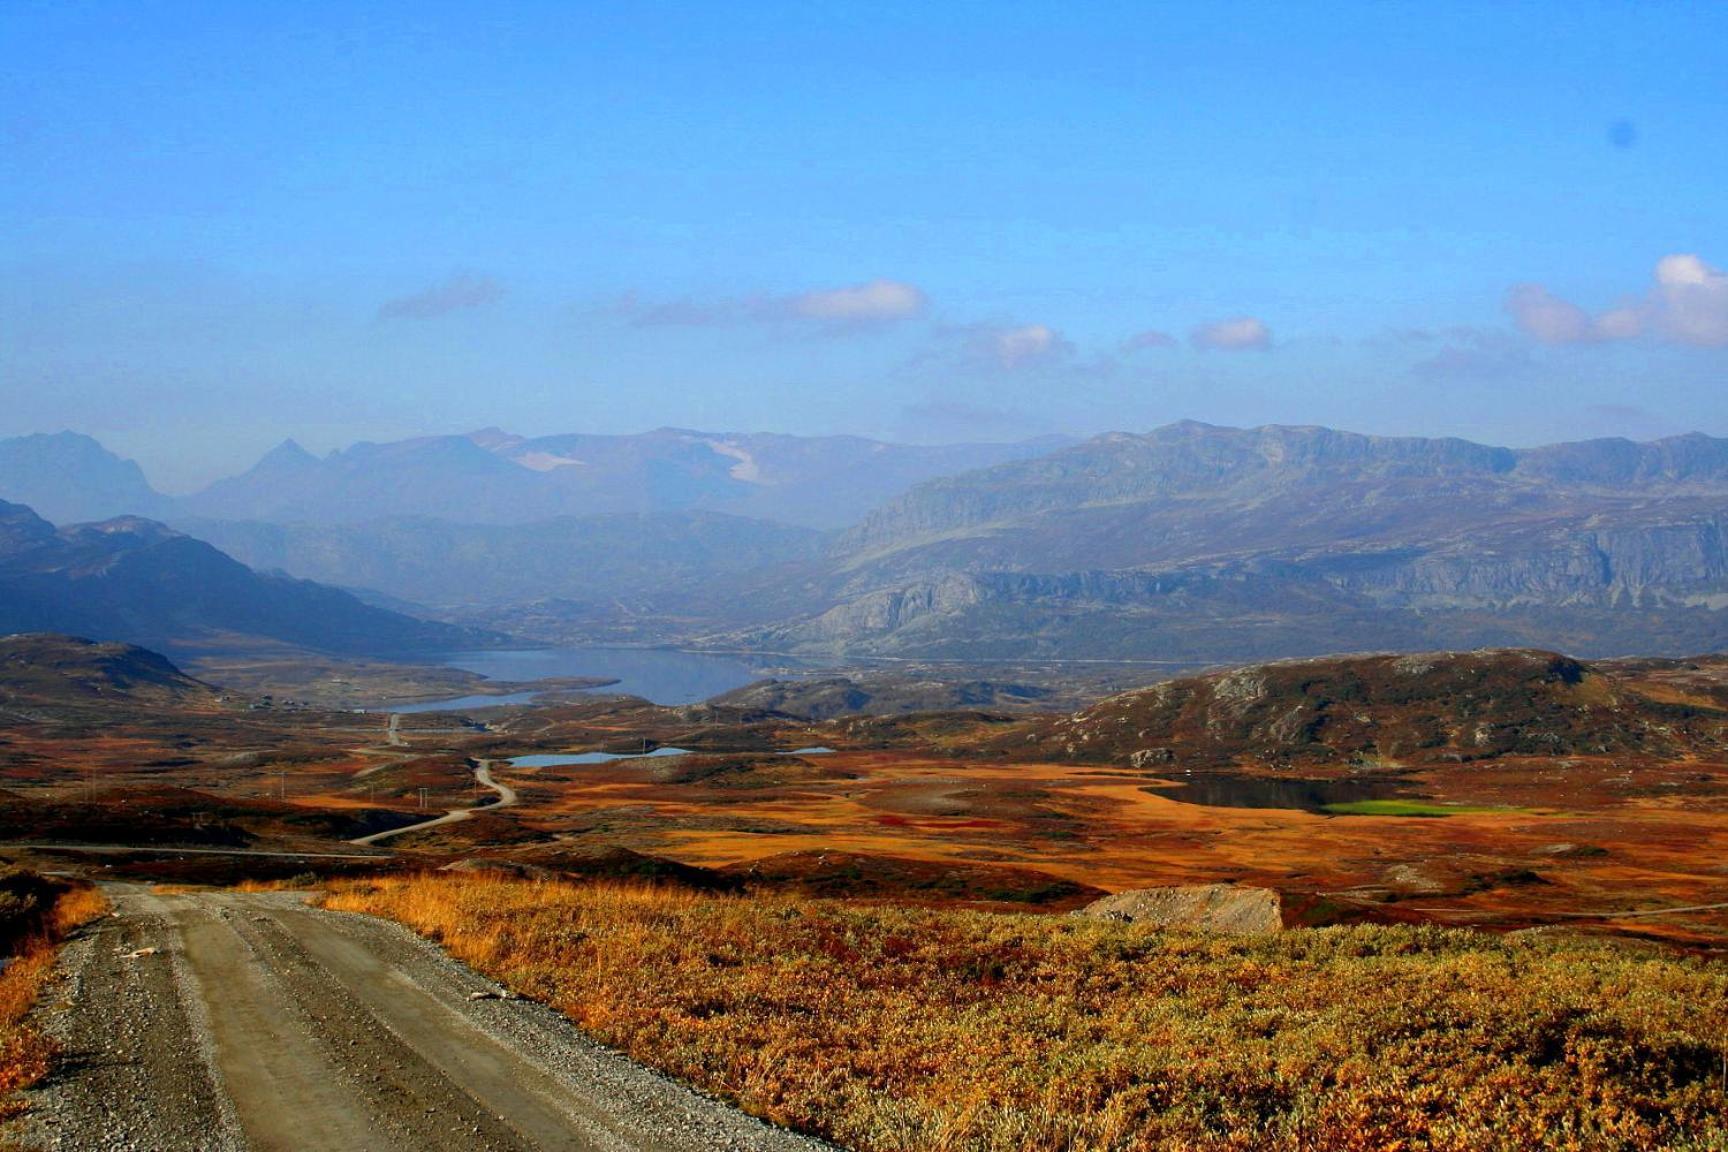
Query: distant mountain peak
(68, 476)
(289, 451)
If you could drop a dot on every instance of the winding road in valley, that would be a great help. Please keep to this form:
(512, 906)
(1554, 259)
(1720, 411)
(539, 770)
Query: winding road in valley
(216, 1021)
(482, 776)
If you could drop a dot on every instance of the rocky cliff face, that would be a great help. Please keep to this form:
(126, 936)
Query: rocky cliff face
(1225, 544)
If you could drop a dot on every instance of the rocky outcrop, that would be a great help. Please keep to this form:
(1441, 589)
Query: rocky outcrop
(1375, 711)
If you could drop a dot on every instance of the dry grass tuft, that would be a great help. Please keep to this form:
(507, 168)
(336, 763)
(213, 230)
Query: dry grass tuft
(42, 914)
(895, 1029)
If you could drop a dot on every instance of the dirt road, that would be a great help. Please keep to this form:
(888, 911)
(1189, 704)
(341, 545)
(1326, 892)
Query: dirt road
(226, 1022)
(483, 778)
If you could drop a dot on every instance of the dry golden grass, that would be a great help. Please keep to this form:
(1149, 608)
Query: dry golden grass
(893, 1029)
(26, 1054)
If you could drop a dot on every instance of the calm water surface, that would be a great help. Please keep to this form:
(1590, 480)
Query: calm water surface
(1225, 790)
(661, 676)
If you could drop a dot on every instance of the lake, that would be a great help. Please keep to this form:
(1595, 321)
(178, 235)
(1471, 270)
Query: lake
(660, 675)
(457, 703)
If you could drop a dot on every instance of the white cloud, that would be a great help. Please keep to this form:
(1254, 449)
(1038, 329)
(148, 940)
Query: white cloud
(1019, 346)
(1691, 301)
(1688, 304)
(875, 302)
(1547, 318)
(1244, 333)
(459, 293)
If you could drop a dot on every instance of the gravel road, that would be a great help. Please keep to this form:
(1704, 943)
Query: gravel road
(228, 1022)
(482, 778)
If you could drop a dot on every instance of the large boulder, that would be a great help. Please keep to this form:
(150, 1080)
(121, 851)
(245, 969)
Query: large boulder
(1199, 907)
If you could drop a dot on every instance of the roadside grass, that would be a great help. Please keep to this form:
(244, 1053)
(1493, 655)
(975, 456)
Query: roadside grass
(1420, 808)
(36, 915)
(896, 1029)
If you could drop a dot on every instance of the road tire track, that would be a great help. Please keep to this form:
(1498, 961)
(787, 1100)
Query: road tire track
(261, 1024)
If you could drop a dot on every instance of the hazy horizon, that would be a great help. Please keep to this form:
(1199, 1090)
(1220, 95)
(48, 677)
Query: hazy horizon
(336, 447)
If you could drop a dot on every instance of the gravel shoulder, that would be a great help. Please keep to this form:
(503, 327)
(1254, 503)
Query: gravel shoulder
(230, 1022)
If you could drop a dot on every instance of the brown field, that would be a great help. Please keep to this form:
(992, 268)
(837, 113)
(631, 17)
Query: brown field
(1571, 841)
(1574, 844)
(863, 942)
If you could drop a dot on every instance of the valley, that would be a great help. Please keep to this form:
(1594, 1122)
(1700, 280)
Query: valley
(724, 890)
(1001, 768)
(1612, 801)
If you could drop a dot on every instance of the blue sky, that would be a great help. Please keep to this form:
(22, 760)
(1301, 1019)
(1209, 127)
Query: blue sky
(223, 224)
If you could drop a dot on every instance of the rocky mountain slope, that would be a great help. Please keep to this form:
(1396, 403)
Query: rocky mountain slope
(1198, 542)
(140, 582)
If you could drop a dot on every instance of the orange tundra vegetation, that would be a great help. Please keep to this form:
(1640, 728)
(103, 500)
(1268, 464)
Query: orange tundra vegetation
(894, 1029)
(36, 915)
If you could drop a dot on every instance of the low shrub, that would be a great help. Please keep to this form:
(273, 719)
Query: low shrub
(894, 1029)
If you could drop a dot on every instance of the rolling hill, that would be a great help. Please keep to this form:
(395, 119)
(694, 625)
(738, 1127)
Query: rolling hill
(1392, 711)
(40, 668)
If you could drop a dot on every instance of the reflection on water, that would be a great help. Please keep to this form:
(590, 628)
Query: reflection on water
(1226, 790)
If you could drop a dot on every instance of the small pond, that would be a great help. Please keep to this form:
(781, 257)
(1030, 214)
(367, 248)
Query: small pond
(1228, 790)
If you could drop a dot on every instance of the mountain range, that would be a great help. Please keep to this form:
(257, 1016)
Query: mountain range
(1208, 543)
(494, 477)
(1191, 543)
